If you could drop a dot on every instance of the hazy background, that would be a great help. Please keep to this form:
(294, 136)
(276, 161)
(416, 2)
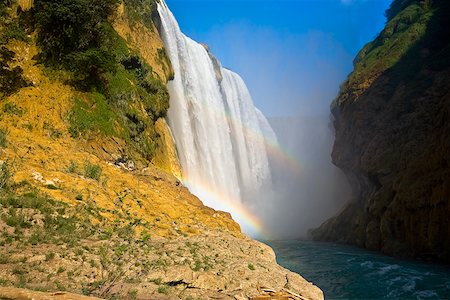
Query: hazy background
(293, 56)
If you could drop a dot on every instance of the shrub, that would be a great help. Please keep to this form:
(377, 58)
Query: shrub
(72, 167)
(5, 175)
(152, 91)
(140, 11)
(3, 139)
(251, 267)
(49, 256)
(12, 109)
(11, 79)
(92, 171)
(37, 237)
(157, 281)
(163, 289)
(145, 236)
(132, 294)
(74, 33)
(14, 32)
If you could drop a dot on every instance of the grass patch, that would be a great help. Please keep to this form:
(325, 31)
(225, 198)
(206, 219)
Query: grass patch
(52, 187)
(3, 138)
(5, 174)
(52, 131)
(156, 281)
(60, 286)
(93, 115)
(12, 109)
(61, 223)
(49, 256)
(4, 259)
(132, 294)
(163, 289)
(72, 167)
(401, 33)
(92, 171)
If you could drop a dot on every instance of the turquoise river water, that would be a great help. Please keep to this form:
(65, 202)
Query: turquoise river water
(345, 272)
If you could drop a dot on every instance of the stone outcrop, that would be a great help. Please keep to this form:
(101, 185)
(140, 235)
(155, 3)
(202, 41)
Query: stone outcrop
(212, 265)
(24, 294)
(392, 122)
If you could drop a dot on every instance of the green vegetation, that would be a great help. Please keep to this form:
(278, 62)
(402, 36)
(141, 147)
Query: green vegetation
(163, 289)
(135, 80)
(141, 11)
(121, 95)
(57, 226)
(251, 267)
(132, 294)
(52, 131)
(49, 256)
(134, 85)
(77, 36)
(92, 171)
(14, 31)
(92, 115)
(11, 79)
(76, 239)
(74, 34)
(5, 175)
(11, 28)
(72, 167)
(156, 281)
(407, 24)
(3, 138)
(397, 6)
(12, 109)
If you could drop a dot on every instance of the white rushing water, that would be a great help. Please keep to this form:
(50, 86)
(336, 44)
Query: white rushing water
(219, 134)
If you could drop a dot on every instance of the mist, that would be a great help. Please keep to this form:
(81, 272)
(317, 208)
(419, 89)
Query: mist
(293, 64)
(293, 79)
(306, 194)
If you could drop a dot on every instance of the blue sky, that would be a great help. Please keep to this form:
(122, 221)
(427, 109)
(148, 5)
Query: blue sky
(293, 55)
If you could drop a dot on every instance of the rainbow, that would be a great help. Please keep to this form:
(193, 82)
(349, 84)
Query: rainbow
(249, 222)
(272, 146)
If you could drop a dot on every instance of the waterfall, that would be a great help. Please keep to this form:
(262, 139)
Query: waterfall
(219, 134)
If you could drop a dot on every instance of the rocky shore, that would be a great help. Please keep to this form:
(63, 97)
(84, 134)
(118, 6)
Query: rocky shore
(209, 266)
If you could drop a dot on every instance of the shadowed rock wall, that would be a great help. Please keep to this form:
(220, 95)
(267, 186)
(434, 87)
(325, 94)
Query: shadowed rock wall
(392, 122)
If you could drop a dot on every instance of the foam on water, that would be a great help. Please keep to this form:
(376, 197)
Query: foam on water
(345, 272)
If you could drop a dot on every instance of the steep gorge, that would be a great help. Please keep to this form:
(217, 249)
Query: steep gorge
(392, 137)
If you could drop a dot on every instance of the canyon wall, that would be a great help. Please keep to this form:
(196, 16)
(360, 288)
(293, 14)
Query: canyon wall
(392, 137)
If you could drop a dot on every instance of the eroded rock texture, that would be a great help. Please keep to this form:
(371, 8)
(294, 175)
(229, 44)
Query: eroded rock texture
(392, 122)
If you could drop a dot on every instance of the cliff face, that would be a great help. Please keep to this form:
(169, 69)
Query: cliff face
(392, 123)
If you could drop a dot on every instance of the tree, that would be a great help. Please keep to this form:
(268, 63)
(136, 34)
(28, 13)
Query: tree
(73, 34)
